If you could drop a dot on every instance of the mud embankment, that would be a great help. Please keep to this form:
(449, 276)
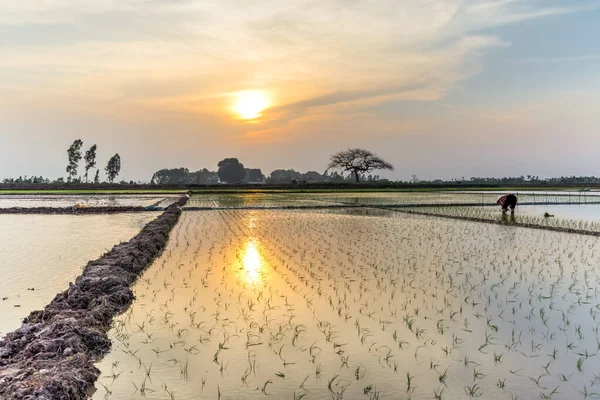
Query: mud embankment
(73, 210)
(52, 355)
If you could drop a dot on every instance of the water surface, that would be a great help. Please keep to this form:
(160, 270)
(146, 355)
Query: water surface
(46, 252)
(358, 304)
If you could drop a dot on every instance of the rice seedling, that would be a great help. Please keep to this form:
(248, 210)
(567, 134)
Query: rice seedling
(322, 303)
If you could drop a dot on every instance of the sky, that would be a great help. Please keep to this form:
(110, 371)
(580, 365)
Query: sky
(439, 88)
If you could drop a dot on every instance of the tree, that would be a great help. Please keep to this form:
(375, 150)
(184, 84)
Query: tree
(184, 176)
(357, 162)
(231, 170)
(90, 160)
(314, 176)
(203, 177)
(113, 167)
(74, 153)
(97, 177)
(284, 176)
(171, 176)
(254, 175)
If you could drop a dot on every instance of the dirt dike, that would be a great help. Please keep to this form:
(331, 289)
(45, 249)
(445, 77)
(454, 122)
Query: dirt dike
(74, 210)
(52, 355)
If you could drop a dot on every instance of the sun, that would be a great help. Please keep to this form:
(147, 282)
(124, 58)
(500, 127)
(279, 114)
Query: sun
(249, 104)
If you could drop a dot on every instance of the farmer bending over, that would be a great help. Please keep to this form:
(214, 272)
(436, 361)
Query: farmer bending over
(508, 200)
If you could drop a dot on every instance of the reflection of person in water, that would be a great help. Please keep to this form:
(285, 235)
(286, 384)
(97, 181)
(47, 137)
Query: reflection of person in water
(506, 201)
(505, 217)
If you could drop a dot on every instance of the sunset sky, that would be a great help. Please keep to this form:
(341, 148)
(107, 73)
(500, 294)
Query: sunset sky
(440, 88)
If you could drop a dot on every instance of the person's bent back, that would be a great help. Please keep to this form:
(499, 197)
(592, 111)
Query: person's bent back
(506, 201)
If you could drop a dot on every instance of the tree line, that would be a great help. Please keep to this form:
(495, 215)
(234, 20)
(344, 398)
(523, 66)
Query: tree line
(356, 162)
(230, 170)
(351, 165)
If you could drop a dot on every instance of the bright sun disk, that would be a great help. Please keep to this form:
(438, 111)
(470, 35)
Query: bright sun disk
(250, 104)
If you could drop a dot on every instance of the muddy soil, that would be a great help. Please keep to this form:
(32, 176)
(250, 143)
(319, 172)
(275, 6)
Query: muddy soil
(52, 355)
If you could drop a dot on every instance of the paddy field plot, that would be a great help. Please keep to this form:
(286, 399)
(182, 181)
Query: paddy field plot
(282, 199)
(105, 200)
(263, 200)
(455, 197)
(359, 303)
(41, 254)
(583, 212)
(584, 217)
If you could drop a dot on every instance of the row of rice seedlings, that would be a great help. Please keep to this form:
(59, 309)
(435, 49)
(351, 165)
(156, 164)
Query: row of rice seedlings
(441, 198)
(493, 214)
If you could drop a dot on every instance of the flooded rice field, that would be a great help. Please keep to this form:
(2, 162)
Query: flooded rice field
(359, 303)
(441, 198)
(583, 212)
(30, 201)
(41, 254)
(574, 216)
(264, 200)
(281, 199)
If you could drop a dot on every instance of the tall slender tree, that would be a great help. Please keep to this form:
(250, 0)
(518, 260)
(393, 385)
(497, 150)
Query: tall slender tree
(90, 160)
(97, 177)
(74, 153)
(113, 168)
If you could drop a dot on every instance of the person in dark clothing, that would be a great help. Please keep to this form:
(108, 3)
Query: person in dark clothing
(506, 201)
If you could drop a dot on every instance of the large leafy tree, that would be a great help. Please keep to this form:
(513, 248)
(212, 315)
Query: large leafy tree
(231, 170)
(284, 176)
(204, 177)
(74, 154)
(90, 160)
(357, 161)
(184, 176)
(254, 175)
(314, 176)
(113, 167)
(172, 176)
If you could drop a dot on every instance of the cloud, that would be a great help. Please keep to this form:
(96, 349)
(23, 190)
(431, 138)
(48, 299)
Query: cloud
(189, 54)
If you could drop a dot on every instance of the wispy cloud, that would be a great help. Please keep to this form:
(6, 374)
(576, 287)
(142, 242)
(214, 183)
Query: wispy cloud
(310, 54)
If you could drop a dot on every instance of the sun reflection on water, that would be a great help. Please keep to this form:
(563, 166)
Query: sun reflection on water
(252, 263)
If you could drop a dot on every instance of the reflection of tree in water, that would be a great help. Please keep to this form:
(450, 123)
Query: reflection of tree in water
(246, 200)
(236, 200)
